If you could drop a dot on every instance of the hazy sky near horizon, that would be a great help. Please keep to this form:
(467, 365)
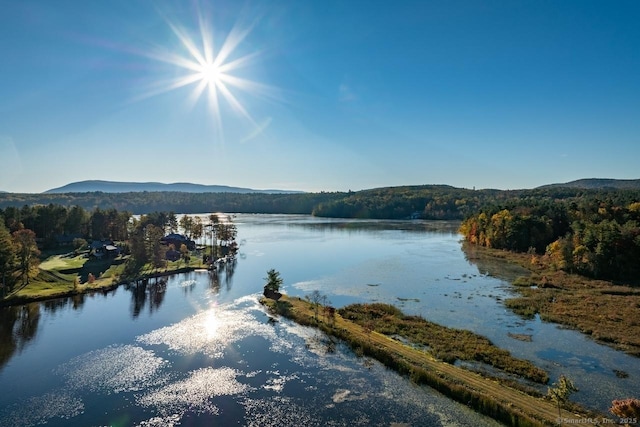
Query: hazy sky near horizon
(319, 95)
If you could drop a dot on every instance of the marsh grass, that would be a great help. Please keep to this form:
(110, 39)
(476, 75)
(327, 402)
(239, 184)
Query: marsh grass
(609, 312)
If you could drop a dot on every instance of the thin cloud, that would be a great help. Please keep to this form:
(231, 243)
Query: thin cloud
(346, 94)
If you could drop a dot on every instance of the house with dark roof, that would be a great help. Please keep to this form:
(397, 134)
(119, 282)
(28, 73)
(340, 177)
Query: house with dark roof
(177, 240)
(102, 248)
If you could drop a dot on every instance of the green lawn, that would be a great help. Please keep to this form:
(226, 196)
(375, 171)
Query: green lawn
(63, 262)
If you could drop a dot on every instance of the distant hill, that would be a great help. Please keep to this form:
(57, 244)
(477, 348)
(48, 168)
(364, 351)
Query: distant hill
(599, 184)
(131, 187)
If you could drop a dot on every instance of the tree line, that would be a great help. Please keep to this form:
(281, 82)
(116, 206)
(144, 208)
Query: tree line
(186, 203)
(424, 202)
(591, 232)
(419, 202)
(51, 221)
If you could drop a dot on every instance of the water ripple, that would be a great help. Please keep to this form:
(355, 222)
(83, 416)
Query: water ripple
(42, 409)
(114, 369)
(195, 392)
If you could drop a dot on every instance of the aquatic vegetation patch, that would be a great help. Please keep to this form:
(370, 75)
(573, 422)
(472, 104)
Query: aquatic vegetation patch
(605, 310)
(490, 396)
(277, 382)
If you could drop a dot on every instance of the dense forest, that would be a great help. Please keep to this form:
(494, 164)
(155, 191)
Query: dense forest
(417, 202)
(593, 233)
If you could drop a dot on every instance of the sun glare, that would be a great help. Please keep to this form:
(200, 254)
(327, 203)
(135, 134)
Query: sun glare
(211, 324)
(210, 70)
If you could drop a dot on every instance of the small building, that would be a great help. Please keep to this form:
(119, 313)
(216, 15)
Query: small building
(104, 248)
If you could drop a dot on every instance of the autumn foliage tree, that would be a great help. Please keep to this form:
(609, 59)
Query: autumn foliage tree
(24, 242)
(586, 235)
(626, 409)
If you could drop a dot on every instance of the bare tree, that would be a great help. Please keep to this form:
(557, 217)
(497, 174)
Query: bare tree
(315, 298)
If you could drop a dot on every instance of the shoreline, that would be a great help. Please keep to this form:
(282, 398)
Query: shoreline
(485, 395)
(95, 287)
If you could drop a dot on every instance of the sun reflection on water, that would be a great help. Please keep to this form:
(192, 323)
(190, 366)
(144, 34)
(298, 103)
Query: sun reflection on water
(211, 323)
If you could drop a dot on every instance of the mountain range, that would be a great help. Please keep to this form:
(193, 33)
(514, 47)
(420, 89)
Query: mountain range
(186, 187)
(131, 187)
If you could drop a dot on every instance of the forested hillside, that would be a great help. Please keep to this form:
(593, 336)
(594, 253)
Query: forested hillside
(180, 202)
(594, 233)
(418, 202)
(600, 184)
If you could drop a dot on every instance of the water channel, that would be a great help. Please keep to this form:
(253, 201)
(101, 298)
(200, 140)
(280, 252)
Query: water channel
(198, 349)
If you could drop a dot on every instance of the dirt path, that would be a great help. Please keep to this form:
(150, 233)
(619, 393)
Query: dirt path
(542, 412)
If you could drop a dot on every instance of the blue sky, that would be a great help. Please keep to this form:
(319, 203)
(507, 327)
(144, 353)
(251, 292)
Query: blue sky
(319, 95)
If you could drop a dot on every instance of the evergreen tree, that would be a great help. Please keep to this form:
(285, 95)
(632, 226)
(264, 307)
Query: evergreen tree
(274, 281)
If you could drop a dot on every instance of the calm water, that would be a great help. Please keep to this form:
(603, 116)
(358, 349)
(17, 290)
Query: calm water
(200, 350)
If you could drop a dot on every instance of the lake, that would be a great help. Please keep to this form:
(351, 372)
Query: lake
(198, 349)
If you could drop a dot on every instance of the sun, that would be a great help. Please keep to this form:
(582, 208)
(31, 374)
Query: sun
(211, 71)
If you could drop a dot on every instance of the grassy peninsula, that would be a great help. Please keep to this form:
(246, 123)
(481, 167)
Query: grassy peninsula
(374, 329)
(64, 275)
